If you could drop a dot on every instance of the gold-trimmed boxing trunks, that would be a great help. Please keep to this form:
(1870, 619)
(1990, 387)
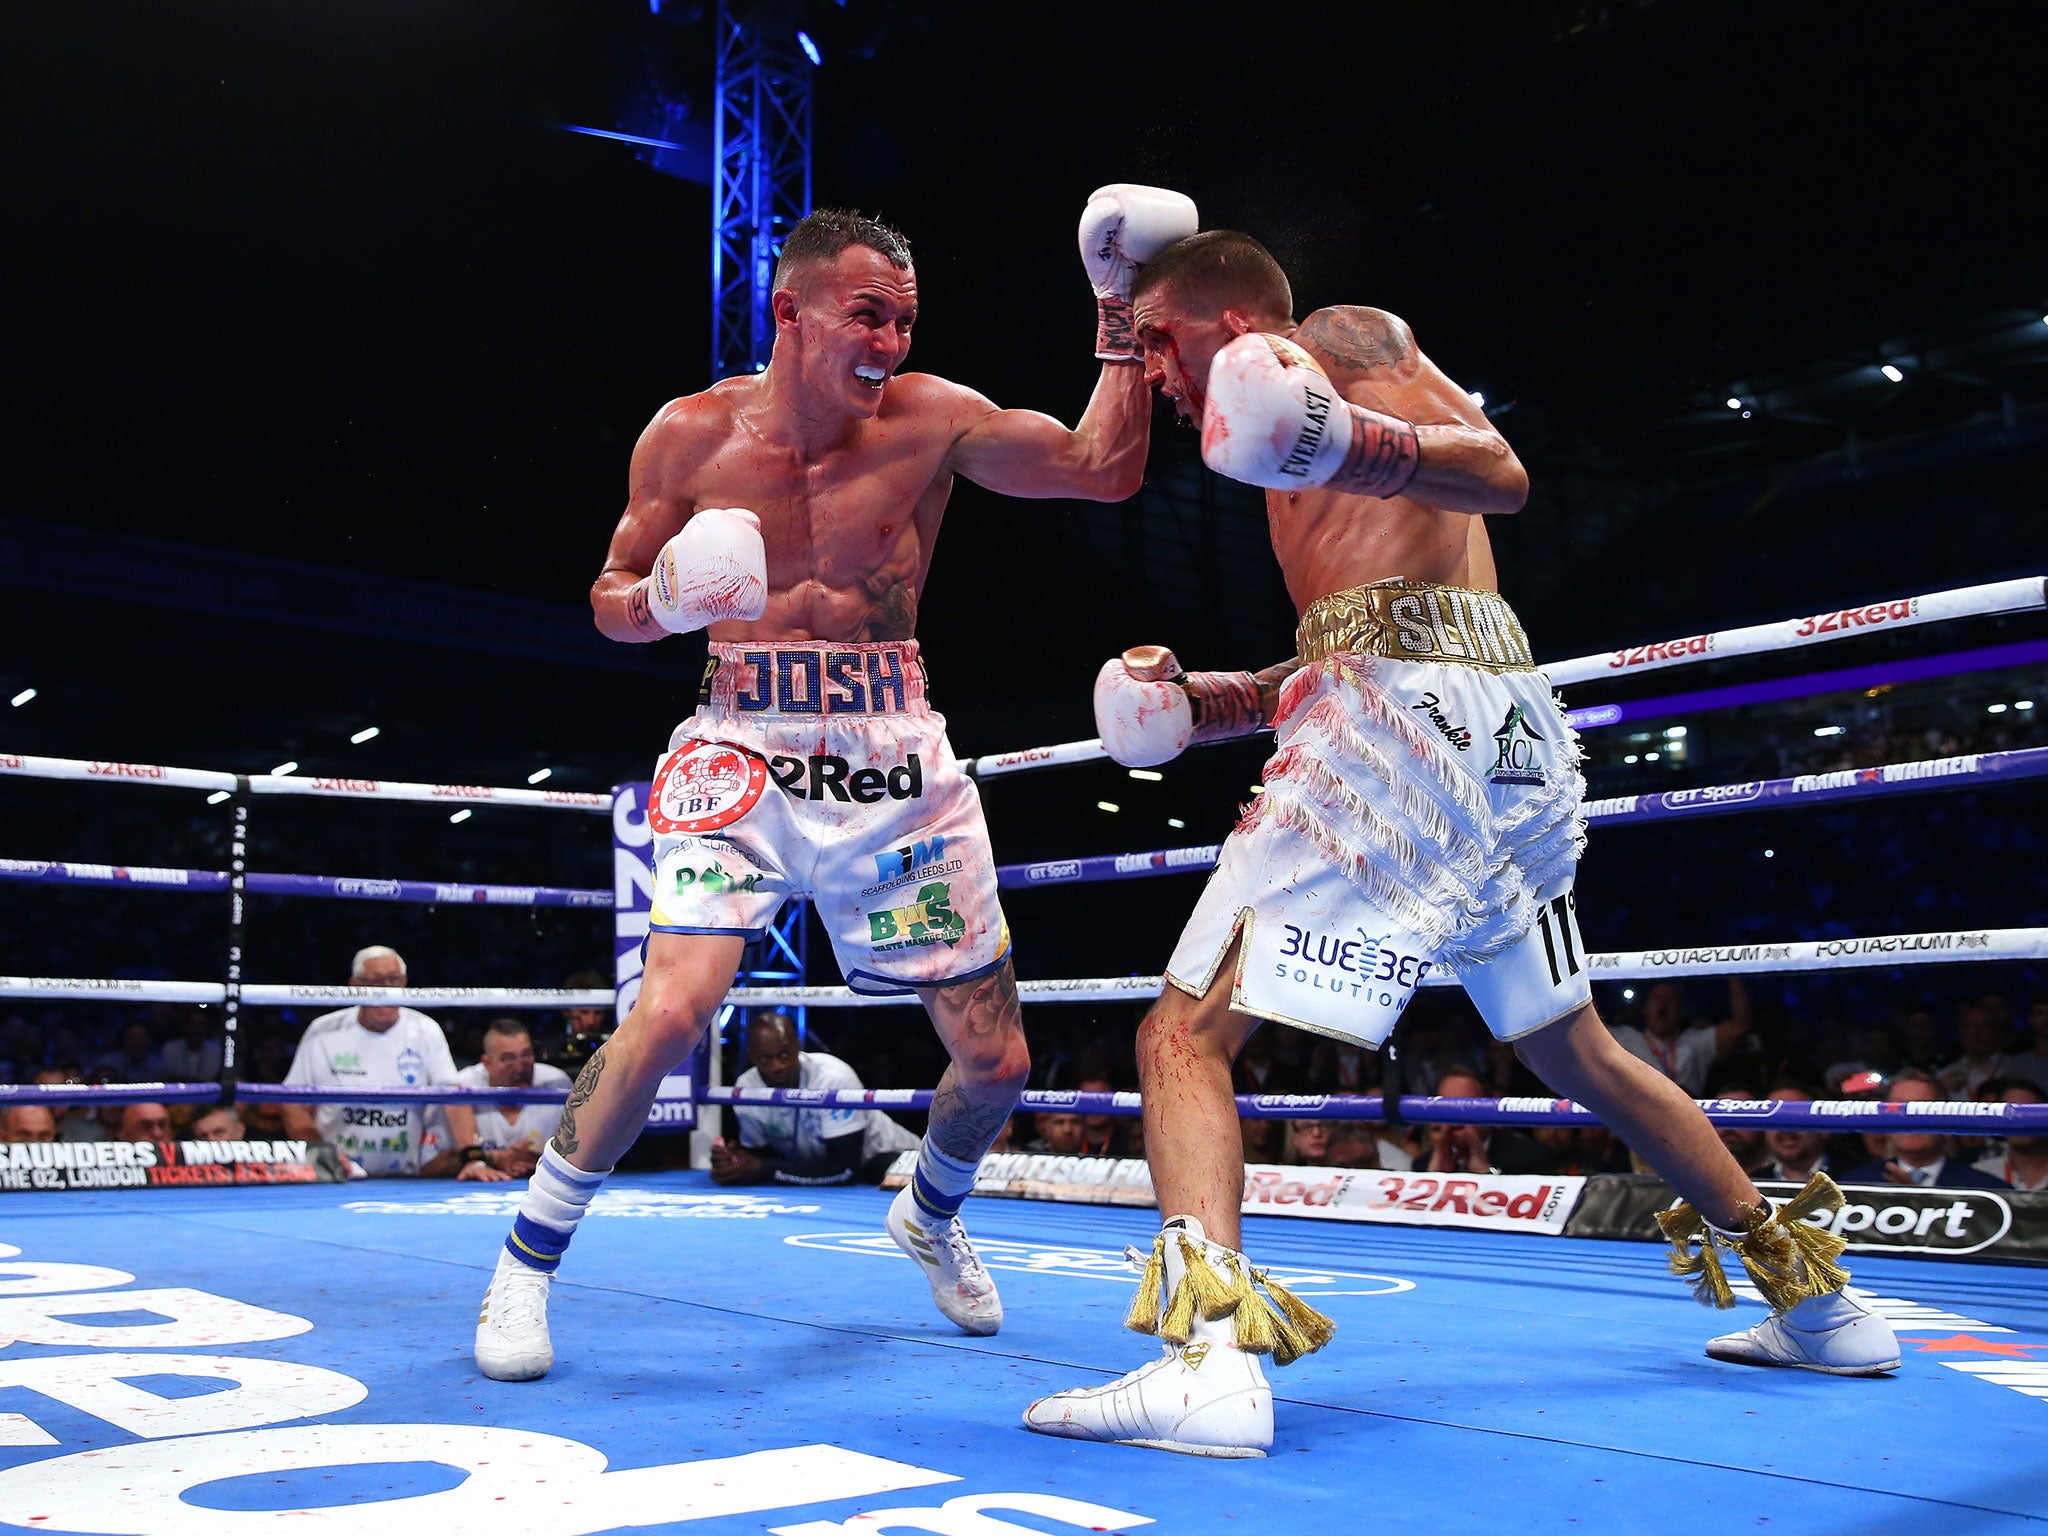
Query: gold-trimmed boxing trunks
(1422, 812)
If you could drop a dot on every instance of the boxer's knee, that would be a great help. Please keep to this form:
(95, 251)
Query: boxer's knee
(994, 1068)
(1183, 1030)
(1577, 1039)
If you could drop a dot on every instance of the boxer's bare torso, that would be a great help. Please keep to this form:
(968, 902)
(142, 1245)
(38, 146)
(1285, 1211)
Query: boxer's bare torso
(849, 527)
(850, 483)
(1329, 540)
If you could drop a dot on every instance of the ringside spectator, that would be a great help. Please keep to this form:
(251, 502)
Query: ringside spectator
(1794, 1155)
(1681, 1050)
(1919, 1158)
(80, 1122)
(513, 1134)
(782, 1144)
(194, 1057)
(1101, 1135)
(2032, 1063)
(145, 1122)
(2024, 1162)
(1983, 1041)
(381, 1046)
(136, 1061)
(1059, 1133)
(1481, 1148)
(28, 1122)
(219, 1123)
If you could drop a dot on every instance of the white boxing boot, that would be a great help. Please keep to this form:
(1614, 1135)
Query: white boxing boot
(1205, 1395)
(960, 1285)
(1815, 1324)
(512, 1341)
(1834, 1333)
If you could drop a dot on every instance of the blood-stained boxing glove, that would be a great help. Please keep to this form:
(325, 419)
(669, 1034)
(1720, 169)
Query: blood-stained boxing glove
(716, 568)
(1273, 418)
(1148, 711)
(1122, 228)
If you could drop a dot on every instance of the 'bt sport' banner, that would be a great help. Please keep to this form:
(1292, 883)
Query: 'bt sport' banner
(2005, 1225)
(1490, 1201)
(45, 1167)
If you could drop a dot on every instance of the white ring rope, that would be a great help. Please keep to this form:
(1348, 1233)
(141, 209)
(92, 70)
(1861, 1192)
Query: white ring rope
(1955, 945)
(1753, 640)
(93, 772)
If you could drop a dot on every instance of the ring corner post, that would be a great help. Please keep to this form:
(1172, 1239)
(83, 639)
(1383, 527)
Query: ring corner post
(238, 892)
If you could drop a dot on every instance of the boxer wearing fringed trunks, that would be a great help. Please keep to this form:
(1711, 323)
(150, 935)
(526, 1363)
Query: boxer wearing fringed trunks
(792, 515)
(1422, 811)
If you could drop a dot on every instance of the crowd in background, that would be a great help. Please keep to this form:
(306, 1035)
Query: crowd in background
(1712, 1039)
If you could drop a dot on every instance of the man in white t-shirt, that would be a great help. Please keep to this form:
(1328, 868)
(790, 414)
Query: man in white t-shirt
(381, 1046)
(782, 1144)
(1683, 1053)
(513, 1134)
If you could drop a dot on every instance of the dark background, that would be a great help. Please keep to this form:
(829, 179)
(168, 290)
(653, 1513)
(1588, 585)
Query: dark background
(331, 287)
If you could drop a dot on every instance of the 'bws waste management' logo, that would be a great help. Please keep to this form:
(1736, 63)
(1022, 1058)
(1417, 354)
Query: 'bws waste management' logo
(928, 920)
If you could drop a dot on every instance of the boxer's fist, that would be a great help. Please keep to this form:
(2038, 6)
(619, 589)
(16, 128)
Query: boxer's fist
(1142, 713)
(1122, 228)
(1273, 418)
(716, 568)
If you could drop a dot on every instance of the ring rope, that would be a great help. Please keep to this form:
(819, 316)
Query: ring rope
(1967, 771)
(1900, 949)
(2023, 593)
(424, 892)
(95, 772)
(1861, 1115)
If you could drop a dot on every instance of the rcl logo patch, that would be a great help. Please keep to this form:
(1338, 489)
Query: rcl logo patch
(705, 785)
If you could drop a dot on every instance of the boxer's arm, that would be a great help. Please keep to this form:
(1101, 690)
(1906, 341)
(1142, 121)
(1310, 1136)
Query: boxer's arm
(658, 503)
(1027, 453)
(1463, 463)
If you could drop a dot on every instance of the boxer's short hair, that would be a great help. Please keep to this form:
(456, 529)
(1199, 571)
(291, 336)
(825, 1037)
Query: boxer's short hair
(823, 233)
(1221, 268)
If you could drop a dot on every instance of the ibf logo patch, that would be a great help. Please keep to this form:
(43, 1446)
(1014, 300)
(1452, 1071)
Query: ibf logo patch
(705, 785)
(1516, 744)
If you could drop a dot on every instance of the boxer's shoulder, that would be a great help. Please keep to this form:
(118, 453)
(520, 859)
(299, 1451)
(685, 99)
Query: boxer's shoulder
(693, 426)
(1355, 338)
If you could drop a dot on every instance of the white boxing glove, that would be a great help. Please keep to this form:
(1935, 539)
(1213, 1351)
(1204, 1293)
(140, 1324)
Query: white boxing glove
(1273, 418)
(1148, 711)
(1122, 228)
(716, 568)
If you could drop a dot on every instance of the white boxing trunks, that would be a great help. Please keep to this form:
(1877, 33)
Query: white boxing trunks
(1423, 810)
(817, 769)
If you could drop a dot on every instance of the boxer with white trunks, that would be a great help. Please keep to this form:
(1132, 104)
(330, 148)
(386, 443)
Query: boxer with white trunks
(791, 515)
(1422, 811)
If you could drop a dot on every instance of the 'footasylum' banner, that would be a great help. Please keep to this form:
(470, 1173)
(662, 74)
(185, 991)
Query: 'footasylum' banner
(2003, 1224)
(46, 1167)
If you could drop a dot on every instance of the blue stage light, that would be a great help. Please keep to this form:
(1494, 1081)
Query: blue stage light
(803, 41)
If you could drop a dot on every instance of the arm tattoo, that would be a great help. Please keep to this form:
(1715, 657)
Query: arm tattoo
(1353, 336)
(637, 612)
(1270, 682)
(586, 1085)
(892, 615)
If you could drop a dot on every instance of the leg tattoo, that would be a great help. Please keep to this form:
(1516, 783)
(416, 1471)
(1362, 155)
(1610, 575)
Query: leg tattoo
(962, 1127)
(586, 1085)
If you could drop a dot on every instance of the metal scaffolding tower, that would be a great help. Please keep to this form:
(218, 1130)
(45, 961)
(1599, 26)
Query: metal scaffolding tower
(761, 180)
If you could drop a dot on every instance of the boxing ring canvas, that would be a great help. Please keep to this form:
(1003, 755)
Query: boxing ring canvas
(765, 1360)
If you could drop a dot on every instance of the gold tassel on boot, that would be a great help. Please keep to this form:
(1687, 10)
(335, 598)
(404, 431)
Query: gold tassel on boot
(1212, 1293)
(1304, 1330)
(1144, 1314)
(1682, 1225)
(1260, 1330)
(1178, 1325)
